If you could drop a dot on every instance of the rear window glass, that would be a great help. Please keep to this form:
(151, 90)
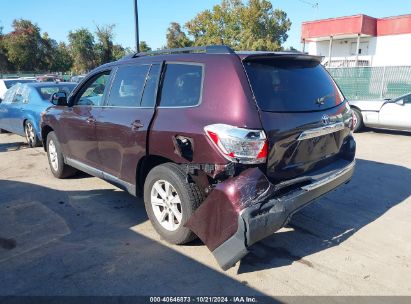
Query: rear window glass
(10, 83)
(128, 86)
(182, 85)
(150, 89)
(46, 92)
(292, 85)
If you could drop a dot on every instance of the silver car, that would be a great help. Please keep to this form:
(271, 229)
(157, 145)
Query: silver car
(393, 114)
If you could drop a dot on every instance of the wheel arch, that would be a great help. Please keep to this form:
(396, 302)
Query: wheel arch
(44, 132)
(144, 166)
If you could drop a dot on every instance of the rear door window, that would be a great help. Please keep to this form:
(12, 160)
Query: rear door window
(128, 85)
(292, 85)
(150, 90)
(182, 85)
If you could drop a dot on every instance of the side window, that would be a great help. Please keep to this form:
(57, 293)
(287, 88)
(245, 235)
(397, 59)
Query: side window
(150, 90)
(92, 93)
(18, 96)
(9, 95)
(128, 86)
(25, 93)
(182, 85)
(407, 99)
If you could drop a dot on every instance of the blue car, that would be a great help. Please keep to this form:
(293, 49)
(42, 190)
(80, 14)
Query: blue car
(23, 104)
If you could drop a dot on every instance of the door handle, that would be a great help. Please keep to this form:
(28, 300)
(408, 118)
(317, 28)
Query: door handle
(91, 120)
(136, 125)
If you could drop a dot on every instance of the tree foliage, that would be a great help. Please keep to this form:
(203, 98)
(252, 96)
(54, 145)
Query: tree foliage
(176, 38)
(4, 60)
(23, 45)
(25, 48)
(104, 47)
(251, 26)
(144, 47)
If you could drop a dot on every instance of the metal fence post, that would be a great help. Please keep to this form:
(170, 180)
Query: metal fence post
(382, 82)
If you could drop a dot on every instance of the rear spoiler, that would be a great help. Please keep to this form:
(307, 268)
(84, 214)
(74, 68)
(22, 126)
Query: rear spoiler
(250, 56)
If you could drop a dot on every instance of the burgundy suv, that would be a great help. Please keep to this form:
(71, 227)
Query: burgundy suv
(224, 146)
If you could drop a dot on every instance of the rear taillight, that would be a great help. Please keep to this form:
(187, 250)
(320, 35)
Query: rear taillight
(238, 144)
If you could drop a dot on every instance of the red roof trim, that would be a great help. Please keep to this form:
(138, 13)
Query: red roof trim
(357, 24)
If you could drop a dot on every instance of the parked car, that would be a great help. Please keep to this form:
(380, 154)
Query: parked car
(49, 78)
(224, 146)
(6, 84)
(20, 111)
(392, 114)
(77, 78)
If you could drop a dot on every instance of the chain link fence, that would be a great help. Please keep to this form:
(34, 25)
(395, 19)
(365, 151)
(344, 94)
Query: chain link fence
(364, 83)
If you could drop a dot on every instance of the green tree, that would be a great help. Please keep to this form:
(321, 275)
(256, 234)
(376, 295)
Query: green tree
(48, 49)
(63, 61)
(144, 47)
(176, 38)
(81, 44)
(252, 26)
(4, 61)
(23, 45)
(104, 47)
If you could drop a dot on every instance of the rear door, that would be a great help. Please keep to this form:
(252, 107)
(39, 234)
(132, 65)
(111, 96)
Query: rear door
(16, 110)
(302, 111)
(122, 125)
(79, 120)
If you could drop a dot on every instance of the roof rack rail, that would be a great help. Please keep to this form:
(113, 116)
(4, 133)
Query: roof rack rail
(209, 49)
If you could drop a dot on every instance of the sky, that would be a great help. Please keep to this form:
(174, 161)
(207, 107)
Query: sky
(57, 18)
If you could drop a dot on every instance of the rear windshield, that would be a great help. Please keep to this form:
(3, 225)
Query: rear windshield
(46, 91)
(10, 83)
(292, 85)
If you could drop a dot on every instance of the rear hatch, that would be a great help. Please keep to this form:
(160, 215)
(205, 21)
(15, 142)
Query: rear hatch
(305, 117)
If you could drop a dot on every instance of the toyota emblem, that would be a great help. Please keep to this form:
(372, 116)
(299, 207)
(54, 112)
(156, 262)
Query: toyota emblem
(325, 119)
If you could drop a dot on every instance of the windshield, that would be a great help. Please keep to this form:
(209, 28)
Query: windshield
(10, 83)
(284, 85)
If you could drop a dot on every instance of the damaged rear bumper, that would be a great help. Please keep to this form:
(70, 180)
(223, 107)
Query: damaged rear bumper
(245, 209)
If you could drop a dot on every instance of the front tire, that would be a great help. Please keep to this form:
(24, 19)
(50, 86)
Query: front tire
(358, 121)
(56, 158)
(170, 201)
(31, 136)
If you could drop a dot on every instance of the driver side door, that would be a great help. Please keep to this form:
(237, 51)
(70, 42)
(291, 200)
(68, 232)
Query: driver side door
(396, 114)
(79, 121)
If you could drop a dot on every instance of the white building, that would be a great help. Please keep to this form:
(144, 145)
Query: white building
(359, 40)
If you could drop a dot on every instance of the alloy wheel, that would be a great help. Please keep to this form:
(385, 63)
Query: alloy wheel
(30, 134)
(166, 205)
(53, 155)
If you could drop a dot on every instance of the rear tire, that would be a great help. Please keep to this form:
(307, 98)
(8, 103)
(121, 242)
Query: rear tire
(56, 158)
(170, 201)
(358, 120)
(31, 136)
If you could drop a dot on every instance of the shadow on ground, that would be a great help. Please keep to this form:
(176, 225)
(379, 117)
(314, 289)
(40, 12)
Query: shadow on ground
(80, 243)
(13, 146)
(375, 188)
(382, 131)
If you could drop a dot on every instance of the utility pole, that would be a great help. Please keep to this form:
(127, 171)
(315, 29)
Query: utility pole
(136, 23)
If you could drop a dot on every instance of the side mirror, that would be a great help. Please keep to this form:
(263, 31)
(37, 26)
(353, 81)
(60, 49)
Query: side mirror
(59, 99)
(400, 102)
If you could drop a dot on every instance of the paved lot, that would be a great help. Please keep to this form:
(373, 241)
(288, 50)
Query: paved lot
(84, 236)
